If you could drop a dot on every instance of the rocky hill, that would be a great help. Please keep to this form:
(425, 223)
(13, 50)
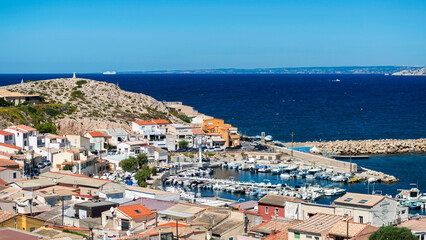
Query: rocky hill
(417, 72)
(78, 105)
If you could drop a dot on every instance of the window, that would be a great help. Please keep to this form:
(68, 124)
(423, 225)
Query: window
(137, 211)
(348, 199)
(316, 238)
(32, 229)
(14, 175)
(361, 219)
(257, 221)
(297, 235)
(307, 236)
(276, 211)
(362, 201)
(266, 210)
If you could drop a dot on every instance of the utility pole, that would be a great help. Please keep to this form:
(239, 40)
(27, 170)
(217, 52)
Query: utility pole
(62, 210)
(177, 229)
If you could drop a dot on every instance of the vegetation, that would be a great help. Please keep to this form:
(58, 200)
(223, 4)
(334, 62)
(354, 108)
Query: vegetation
(77, 94)
(67, 167)
(76, 233)
(4, 103)
(46, 128)
(184, 118)
(140, 163)
(392, 233)
(183, 144)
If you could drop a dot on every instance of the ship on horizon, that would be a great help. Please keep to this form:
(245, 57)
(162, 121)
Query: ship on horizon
(109, 72)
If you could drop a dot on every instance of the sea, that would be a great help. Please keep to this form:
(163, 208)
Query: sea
(319, 107)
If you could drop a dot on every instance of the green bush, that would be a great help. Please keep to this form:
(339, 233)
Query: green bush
(51, 111)
(183, 144)
(81, 82)
(77, 93)
(128, 164)
(67, 167)
(46, 128)
(392, 233)
(4, 103)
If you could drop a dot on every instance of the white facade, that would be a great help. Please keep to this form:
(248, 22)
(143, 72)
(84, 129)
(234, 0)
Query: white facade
(7, 137)
(22, 134)
(9, 175)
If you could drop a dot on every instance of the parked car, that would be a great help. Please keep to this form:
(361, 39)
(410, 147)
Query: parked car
(47, 163)
(40, 165)
(209, 150)
(180, 150)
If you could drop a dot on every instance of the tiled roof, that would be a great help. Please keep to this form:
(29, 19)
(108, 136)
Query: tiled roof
(359, 199)
(150, 203)
(9, 146)
(173, 224)
(245, 205)
(341, 228)
(415, 224)
(277, 230)
(198, 131)
(26, 128)
(96, 134)
(277, 200)
(160, 121)
(2, 182)
(5, 133)
(7, 163)
(5, 215)
(145, 123)
(135, 211)
(317, 224)
(227, 225)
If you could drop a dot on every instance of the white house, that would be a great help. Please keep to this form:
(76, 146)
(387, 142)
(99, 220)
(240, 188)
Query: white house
(77, 142)
(181, 132)
(10, 175)
(7, 137)
(135, 192)
(22, 134)
(118, 135)
(131, 147)
(97, 141)
(375, 210)
(4, 147)
(81, 164)
(155, 131)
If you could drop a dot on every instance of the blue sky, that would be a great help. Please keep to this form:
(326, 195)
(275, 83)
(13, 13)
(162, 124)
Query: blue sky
(93, 36)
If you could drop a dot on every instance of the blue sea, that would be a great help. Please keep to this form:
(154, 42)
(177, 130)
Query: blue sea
(314, 107)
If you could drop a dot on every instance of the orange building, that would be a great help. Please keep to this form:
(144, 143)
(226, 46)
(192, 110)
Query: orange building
(228, 132)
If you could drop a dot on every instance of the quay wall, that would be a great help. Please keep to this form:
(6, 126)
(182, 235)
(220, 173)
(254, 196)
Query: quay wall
(317, 159)
(386, 146)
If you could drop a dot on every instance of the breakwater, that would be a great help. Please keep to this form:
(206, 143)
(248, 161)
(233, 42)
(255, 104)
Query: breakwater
(386, 146)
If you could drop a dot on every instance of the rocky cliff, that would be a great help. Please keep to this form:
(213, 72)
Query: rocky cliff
(417, 72)
(92, 104)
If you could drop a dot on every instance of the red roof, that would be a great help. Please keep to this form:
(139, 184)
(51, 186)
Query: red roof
(135, 211)
(26, 127)
(145, 123)
(160, 121)
(96, 134)
(2, 182)
(6, 163)
(173, 225)
(9, 146)
(5, 133)
(198, 131)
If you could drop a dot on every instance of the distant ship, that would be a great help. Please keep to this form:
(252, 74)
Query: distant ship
(109, 72)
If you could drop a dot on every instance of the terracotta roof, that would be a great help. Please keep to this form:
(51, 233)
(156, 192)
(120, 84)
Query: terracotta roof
(415, 224)
(96, 134)
(160, 121)
(2, 182)
(135, 211)
(198, 131)
(7, 163)
(150, 203)
(276, 229)
(5, 215)
(317, 224)
(173, 224)
(26, 128)
(277, 200)
(359, 199)
(9, 146)
(145, 123)
(5, 133)
(341, 228)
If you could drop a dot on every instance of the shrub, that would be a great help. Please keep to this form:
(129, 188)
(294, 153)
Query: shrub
(77, 93)
(46, 128)
(51, 111)
(81, 82)
(67, 167)
(392, 233)
(183, 144)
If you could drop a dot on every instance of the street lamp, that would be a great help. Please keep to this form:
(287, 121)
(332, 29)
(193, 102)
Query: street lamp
(346, 218)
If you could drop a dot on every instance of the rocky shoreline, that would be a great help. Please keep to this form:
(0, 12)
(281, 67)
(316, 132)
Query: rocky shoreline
(386, 146)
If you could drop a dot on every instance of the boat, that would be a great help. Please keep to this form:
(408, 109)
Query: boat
(276, 170)
(285, 176)
(354, 179)
(109, 72)
(333, 191)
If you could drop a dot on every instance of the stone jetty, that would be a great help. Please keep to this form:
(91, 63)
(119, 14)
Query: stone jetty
(386, 146)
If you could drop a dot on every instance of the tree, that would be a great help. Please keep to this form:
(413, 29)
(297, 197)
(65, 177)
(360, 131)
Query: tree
(4, 103)
(67, 167)
(141, 160)
(154, 171)
(392, 233)
(183, 144)
(142, 175)
(128, 164)
(46, 128)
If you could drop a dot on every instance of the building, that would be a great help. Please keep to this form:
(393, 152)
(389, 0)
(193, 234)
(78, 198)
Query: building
(126, 218)
(17, 98)
(130, 147)
(228, 133)
(8, 148)
(273, 205)
(97, 141)
(314, 228)
(181, 132)
(22, 134)
(135, 192)
(10, 175)
(184, 109)
(7, 137)
(417, 226)
(310, 209)
(79, 143)
(118, 135)
(80, 163)
(375, 210)
(273, 229)
(92, 209)
(352, 230)
(19, 221)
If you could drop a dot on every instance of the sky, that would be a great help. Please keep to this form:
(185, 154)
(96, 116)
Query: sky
(94, 36)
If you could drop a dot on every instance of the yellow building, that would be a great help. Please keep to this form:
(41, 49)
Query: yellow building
(229, 133)
(22, 222)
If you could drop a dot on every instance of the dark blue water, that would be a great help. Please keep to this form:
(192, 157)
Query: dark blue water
(314, 107)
